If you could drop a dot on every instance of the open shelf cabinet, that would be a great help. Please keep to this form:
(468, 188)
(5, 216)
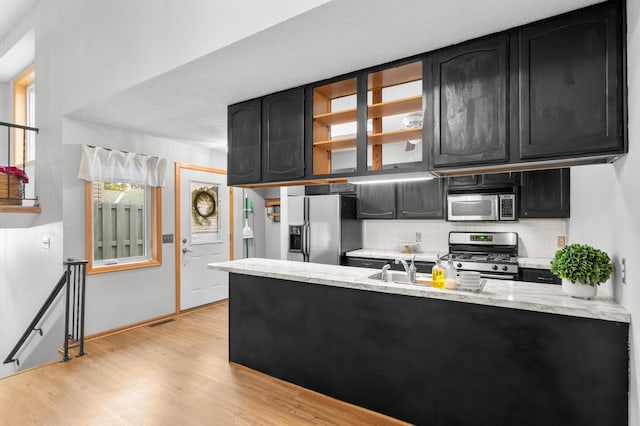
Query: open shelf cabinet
(392, 94)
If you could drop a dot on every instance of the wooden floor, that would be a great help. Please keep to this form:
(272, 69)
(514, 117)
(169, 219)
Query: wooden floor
(176, 373)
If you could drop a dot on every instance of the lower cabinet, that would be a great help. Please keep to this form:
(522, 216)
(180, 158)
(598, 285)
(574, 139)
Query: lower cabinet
(538, 276)
(363, 262)
(360, 262)
(432, 362)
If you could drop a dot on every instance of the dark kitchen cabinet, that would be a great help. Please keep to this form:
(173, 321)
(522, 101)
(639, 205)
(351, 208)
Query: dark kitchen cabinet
(407, 200)
(483, 182)
(545, 194)
(364, 262)
(570, 89)
(534, 275)
(420, 200)
(375, 263)
(470, 104)
(244, 128)
(283, 136)
(377, 201)
(463, 181)
(497, 179)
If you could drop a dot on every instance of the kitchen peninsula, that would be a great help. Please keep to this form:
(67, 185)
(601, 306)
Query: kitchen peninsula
(517, 353)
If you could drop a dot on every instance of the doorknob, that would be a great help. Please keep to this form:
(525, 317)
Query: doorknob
(186, 250)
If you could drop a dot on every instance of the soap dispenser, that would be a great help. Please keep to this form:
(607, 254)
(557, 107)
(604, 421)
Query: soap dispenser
(437, 274)
(412, 270)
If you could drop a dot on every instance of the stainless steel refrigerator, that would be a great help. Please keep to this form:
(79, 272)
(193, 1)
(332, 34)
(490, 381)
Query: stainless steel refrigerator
(323, 227)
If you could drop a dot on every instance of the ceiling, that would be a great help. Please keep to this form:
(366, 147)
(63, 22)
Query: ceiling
(189, 103)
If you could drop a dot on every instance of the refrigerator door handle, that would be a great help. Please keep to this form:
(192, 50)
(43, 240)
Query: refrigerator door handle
(306, 241)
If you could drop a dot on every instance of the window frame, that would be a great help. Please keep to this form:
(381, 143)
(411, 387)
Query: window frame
(30, 100)
(155, 235)
(20, 84)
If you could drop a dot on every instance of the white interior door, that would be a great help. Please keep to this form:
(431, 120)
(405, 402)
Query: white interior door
(204, 237)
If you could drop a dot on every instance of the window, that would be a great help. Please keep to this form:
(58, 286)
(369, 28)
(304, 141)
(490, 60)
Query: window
(123, 228)
(31, 122)
(24, 108)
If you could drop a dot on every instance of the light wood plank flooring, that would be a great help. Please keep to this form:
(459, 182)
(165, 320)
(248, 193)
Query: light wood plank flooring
(176, 373)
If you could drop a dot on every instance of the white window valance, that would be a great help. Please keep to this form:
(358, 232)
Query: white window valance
(107, 165)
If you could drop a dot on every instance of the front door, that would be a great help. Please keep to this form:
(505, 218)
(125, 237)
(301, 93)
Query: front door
(203, 235)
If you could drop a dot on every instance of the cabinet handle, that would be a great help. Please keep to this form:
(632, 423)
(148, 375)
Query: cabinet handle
(550, 279)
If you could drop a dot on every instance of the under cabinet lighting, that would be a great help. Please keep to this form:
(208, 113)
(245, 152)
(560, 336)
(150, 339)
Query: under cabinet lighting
(391, 178)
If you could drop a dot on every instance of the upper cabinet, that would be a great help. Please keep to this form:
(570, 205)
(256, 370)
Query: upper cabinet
(244, 129)
(551, 93)
(283, 136)
(545, 194)
(368, 123)
(420, 200)
(334, 126)
(377, 201)
(266, 139)
(470, 103)
(406, 200)
(395, 115)
(571, 86)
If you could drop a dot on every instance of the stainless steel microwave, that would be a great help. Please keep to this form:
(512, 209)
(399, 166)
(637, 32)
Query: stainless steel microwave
(481, 207)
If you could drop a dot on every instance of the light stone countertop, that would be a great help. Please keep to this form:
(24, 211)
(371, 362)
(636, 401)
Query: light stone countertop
(509, 294)
(523, 262)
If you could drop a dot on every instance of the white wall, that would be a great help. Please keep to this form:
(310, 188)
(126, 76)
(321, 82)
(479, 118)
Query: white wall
(121, 298)
(271, 229)
(257, 221)
(27, 276)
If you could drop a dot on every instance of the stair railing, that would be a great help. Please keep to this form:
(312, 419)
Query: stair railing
(74, 278)
(14, 178)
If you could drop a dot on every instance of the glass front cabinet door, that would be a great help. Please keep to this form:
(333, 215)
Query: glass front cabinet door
(395, 116)
(370, 122)
(335, 128)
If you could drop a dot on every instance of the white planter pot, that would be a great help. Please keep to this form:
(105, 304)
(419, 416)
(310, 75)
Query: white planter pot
(579, 290)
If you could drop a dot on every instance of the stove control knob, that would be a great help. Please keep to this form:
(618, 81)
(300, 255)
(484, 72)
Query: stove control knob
(504, 268)
(494, 267)
(459, 265)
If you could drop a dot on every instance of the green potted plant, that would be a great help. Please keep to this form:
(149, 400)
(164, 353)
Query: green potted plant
(581, 268)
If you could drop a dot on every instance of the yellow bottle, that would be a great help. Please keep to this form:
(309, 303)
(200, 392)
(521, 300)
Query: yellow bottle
(437, 275)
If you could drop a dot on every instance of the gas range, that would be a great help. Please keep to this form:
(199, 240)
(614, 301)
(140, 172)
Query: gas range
(493, 254)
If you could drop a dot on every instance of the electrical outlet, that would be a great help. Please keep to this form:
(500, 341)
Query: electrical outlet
(561, 242)
(418, 237)
(623, 270)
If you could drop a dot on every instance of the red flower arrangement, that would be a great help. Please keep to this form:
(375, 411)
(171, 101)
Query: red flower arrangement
(16, 171)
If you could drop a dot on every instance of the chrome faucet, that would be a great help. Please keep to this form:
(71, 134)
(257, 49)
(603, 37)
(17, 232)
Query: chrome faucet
(409, 269)
(404, 263)
(383, 275)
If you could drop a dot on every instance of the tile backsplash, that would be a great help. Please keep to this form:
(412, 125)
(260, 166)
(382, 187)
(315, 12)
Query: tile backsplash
(536, 237)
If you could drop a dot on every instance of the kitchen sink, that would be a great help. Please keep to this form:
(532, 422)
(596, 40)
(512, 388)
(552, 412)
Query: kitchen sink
(400, 277)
